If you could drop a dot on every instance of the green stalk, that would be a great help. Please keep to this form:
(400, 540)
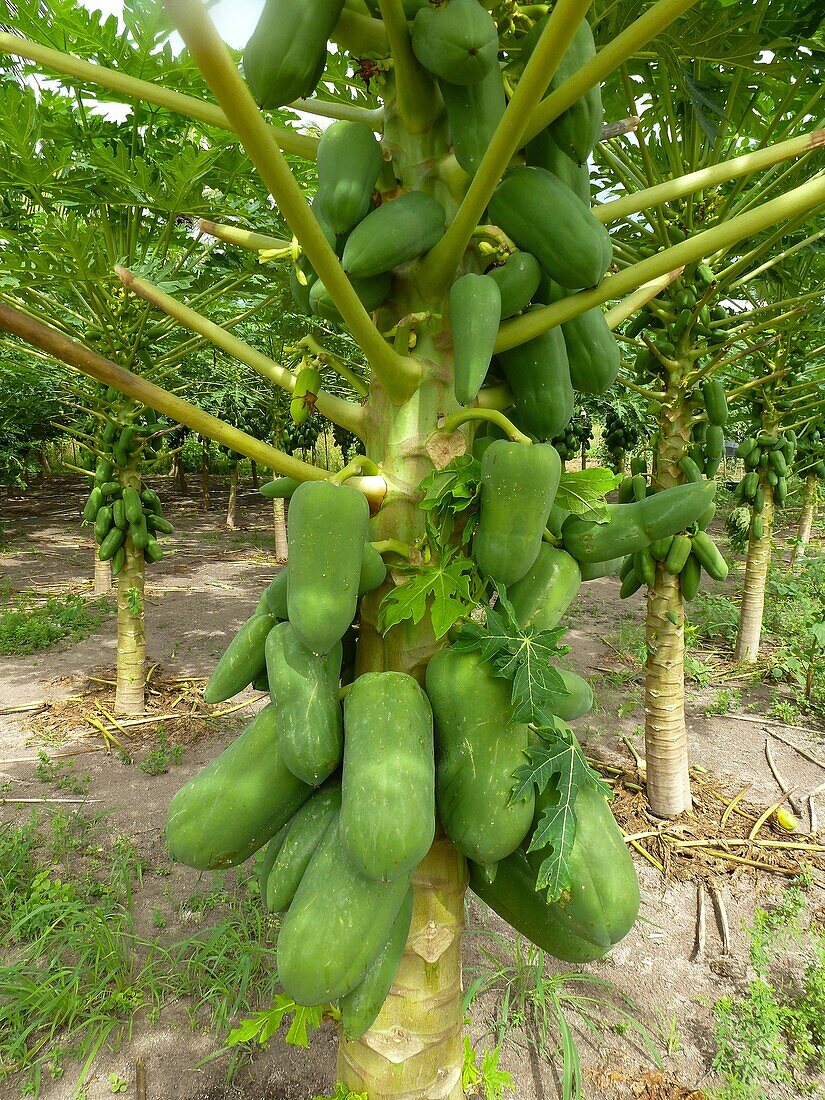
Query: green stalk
(439, 266)
(349, 112)
(418, 102)
(399, 374)
(290, 141)
(491, 416)
(623, 46)
(246, 238)
(110, 374)
(801, 199)
(778, 259)
(634, 302)
(346, 413)
(735, 168)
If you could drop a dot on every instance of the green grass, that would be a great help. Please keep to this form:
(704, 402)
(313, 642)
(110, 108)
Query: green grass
(775, 1033)
(75, 974)
(27, 628)
(544, 1008)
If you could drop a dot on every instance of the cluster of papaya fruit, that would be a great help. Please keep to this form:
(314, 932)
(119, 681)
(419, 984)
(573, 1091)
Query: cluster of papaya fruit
(811, 453)
(767, 459)
(621, 436)
(681, 316)
(707, 448)
(542, 205)
(118, 509)
(346, 796)
(575, 438)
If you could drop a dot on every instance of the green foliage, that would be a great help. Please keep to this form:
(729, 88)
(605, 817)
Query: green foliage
(774, 1034)
(487, 1077)
(548, 1007)
(263, 1025)
(583, 492)
(449, 588)
(26, 627)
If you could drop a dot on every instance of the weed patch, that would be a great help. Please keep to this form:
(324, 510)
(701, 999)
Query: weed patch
(25, 628)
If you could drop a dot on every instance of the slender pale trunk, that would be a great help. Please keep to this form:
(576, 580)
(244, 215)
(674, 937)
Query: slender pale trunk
(232, 506)
(666, 750)
(205, 480)
(179, 477)
(806, 519)
(131, 623)
(103, 576)
(752, 608)
(414, 1049)
(254, 474)
(279, 521)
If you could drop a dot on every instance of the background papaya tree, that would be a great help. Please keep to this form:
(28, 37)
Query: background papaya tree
(698, 115)
(411, 419)
(82, 193)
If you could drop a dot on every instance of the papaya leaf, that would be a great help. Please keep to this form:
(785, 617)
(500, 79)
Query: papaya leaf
(519, 655)
(449, 492)
(449, 587)
(556, 829)
(583, 492)
(263, 1025)
(303, 1021)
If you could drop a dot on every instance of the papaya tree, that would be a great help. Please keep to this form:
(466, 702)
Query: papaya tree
(704, 115)
(58, 254)
(451, 759)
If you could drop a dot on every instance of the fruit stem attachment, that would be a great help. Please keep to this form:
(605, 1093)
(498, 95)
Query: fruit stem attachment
(393, 546)
(493, 416)
(359, 467)
(245, 238)
(328, 359)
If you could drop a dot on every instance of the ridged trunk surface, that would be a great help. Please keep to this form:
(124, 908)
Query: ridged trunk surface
(806, 519)
(279, 523)
(752, 608)
(103, 576)
(666, 751)
(131, 623)
(232, 506)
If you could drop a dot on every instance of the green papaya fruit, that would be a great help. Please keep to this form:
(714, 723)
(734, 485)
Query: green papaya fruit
(300, 838)
(538, 374)
(592, 352)
(286, 55)
(543, 216)
(546, 590)
(475, 314)
(242, 660)
(457, 41)
(337, 924)
(387, 788)
(395, 233)
(478, 750)
(473, 111)
(349, 162)
(234, 805)
(328, 527)
(304, 688)
(373, 291)
(518, 279)
(543, 152)
(518, 486)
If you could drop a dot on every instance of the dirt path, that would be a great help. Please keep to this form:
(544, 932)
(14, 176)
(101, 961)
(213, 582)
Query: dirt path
(205, 586)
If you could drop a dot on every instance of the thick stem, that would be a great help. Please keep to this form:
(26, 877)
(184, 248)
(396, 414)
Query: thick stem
(666, 750)
(279, 523)
(103, 576)
(414, 1049)
(806, 519)
(232, 506)
(131, 622)
(752, 607)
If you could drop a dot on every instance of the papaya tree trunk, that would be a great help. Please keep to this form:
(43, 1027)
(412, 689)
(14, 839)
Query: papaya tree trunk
(232, 506)
(806, 519)
(254, 474)
(179, 476)
(131, 623)
(414, 1049)
(752, 608)
(666, 750)
(103, 576)
(279, 522)
(205, 496)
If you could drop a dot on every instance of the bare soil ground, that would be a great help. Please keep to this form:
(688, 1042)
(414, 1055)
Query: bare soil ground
(205, 586)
